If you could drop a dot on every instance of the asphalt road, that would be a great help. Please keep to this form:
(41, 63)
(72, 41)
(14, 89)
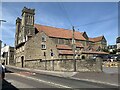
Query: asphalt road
(17, 79)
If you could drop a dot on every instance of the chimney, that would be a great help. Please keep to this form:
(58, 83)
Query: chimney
(4, 45)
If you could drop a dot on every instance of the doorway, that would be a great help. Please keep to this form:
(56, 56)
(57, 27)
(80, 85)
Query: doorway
(22, 61)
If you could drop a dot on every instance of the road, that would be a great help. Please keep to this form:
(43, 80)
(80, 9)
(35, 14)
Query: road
(17, 79)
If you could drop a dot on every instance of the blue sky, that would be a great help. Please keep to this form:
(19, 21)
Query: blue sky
(96, 18)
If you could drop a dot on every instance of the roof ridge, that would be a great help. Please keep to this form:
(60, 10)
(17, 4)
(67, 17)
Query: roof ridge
(54, 32)
(53, 27)
(97, 37)
(58, 28)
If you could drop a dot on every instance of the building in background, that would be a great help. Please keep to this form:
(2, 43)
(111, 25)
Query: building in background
(7, 55)
(118, 45)
(40, 42)
(112, 49)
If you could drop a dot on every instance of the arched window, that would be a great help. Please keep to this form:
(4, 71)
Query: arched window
(82, 57)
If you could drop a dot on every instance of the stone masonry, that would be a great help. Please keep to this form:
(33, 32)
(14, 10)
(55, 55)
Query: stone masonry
(50, 48)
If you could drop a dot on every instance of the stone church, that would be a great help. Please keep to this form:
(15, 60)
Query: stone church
(46, 43)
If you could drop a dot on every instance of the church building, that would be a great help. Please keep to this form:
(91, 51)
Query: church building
(40, 42)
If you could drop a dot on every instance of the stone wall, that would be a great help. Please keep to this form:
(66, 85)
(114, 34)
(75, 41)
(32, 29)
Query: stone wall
(34, 50)
(65, 65)
(11, 56)
(18, 56)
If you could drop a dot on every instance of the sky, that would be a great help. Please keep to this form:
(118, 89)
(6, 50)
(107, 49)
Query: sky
(95, 18)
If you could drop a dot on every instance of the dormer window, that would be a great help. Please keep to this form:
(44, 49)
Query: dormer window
(43, 38)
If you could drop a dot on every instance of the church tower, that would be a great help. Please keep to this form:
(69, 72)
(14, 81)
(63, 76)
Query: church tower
(18, 26)
(27, 24)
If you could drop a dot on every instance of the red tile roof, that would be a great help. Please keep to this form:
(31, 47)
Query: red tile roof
(96, 47)
(63, 47)
(96, 39)
(59, 32)
(93, 48)
(88, 48)
(94, 52)
(78, 44)
(65, 52)
(82, 33)
(70, 52)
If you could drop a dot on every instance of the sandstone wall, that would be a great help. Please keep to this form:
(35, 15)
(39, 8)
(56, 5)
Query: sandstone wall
(65, 65)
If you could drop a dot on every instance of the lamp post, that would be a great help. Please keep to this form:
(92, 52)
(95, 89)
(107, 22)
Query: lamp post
(0, 33)
(2, 21)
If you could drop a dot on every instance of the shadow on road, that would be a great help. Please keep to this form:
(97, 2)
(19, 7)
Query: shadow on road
(8, 71)
(7, 86)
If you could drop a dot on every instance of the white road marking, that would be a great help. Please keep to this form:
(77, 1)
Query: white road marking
(40, 80)
(94, 81)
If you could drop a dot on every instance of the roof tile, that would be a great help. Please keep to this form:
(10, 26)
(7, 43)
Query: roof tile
(78, 44)
(66, 52)
(65, 47)
(96, 39)
(94, 52)
(59, 32)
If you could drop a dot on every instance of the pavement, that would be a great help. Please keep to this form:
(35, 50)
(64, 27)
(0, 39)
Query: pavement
(95, 77)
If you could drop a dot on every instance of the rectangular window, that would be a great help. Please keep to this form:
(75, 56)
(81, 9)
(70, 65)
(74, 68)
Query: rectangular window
(43, 38)
(61, 41)
(67, 41)
(66, 57)
(56, 41)
(11, 55)
(43, 46)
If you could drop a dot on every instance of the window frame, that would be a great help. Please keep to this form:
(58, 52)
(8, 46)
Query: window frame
(43, 48)
(43, 38)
